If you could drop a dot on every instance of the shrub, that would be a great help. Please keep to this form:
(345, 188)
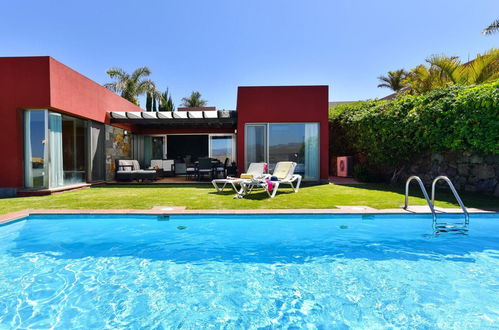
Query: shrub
(394, 132)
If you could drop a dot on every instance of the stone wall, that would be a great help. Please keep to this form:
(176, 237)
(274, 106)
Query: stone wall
(468, 172)
(118, 146)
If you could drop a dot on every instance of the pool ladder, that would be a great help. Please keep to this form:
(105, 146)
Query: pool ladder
(439, 226)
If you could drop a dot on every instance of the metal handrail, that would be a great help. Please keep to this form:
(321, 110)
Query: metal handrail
(423, 189)
(454, 191)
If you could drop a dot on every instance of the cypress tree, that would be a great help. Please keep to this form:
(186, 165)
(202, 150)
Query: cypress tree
(148, 101)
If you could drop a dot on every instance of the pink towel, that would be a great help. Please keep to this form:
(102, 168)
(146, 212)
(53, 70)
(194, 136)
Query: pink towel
(266, 167)
(270, 185)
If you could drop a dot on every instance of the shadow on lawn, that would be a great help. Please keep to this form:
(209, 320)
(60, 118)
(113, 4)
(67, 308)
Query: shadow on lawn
(474, 200)
(156, 186)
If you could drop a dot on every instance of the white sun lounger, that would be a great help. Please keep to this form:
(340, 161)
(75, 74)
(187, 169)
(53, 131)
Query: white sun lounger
(283, 171)
(255, 170)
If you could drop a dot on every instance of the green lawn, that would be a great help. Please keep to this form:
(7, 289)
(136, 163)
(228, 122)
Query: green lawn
(204, 197)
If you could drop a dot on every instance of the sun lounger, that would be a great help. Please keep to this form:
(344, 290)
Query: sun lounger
(255, 170)
(283, 174)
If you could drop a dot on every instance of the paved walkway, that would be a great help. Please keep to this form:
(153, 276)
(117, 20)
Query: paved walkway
(5, 218)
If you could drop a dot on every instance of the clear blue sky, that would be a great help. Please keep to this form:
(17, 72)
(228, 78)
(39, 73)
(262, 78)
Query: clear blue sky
(215, 46)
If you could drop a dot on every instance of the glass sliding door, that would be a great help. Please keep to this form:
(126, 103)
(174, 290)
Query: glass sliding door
(222, 147)
(298, 143)
(56, 170)
(277, 142)
(286, 143)
(158, 148)
(311, 154)
(256, 143)
(187, 148)
(74, 149)
(35, 149)
(55, 149)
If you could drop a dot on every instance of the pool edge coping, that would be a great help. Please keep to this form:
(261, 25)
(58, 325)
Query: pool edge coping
(168, 210)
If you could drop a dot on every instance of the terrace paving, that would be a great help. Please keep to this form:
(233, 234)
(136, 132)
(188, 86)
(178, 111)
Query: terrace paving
(160, 210)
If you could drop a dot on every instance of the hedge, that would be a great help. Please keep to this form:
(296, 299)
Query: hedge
(393, 132)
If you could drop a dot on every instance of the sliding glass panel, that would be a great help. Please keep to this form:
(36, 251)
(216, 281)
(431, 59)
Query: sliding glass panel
(286, 143)
(187, 148)
(311, 151)
(157, 147)
(74, 144)
(297, 143)
(35, 149)
(147, 151)
(222, 148)
(97, 154)
(256, 145)
(56, 172)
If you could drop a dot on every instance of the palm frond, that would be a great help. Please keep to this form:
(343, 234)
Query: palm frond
(111, 86)
(483, 68)
(140, 73)
(492, 28)
(194, 100)
(446, 66)
(394, 80)
(117, 73)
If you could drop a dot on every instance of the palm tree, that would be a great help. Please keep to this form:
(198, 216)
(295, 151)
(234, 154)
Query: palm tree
(484, 68)
(492, 28)
(130, 86)
(394, 80)
(422, 79)
(194, 100)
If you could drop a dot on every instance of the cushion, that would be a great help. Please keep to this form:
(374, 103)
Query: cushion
(136, 166)
(282, 169)
(246, 176)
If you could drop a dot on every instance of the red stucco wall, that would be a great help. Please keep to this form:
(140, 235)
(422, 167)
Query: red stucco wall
(73, 93)
(284, 104)
(44, 83)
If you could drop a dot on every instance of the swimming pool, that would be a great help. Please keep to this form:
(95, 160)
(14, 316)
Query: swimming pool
(337, 271)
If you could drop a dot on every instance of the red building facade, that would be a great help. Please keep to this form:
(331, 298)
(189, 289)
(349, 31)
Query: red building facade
(75, 115)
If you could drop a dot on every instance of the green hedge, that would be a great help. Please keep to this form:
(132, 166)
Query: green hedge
(456, 118)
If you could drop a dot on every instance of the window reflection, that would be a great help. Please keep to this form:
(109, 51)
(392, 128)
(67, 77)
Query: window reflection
(221, 148)
(295, 142)
(74, 136)
(35, 148)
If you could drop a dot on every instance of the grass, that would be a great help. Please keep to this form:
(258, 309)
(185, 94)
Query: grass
(378, 196)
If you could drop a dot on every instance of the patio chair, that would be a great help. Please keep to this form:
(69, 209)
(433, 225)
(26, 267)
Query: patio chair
(222, 168)
(191, 171)
(255, 170)
(205, 167)
(283, 174)
(179, 167)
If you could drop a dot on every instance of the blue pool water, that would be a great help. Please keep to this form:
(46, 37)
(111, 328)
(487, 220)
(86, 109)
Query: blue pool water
(315, 271)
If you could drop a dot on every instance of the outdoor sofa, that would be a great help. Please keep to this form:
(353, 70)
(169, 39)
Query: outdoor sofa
(129, 170)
